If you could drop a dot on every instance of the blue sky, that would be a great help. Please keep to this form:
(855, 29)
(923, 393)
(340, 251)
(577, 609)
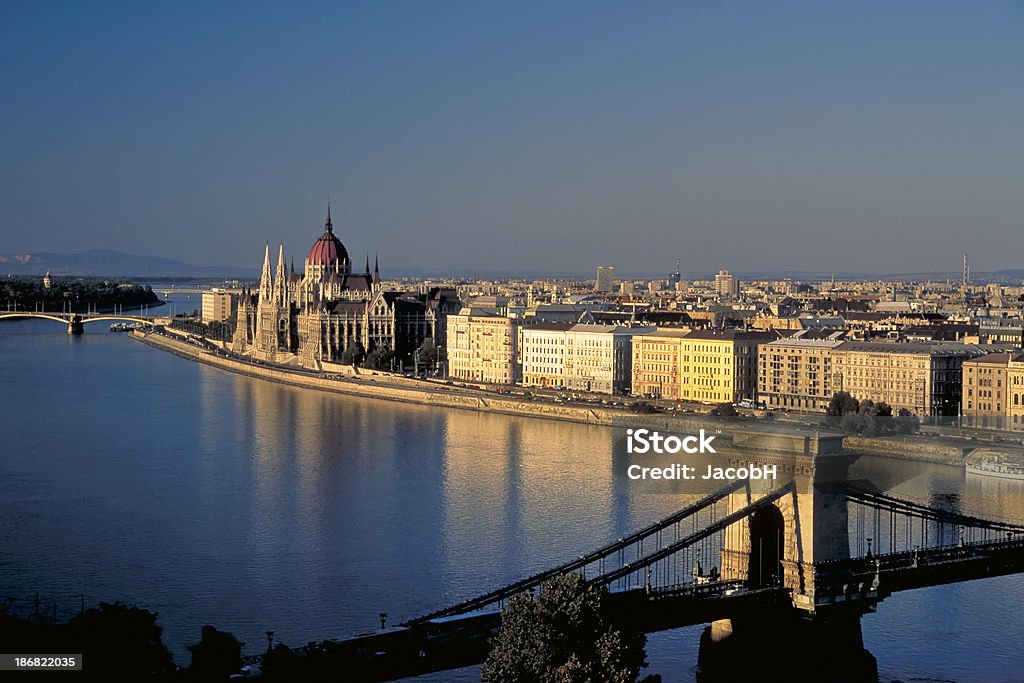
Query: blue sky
(872, 136)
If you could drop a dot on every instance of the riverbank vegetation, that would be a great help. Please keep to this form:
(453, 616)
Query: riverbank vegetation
(80, 294)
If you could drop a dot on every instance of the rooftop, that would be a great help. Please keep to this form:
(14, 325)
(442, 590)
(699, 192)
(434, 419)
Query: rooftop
(807, 342)
(912, 348)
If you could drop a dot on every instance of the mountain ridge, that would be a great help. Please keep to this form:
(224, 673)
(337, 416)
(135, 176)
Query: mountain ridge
(110, 262)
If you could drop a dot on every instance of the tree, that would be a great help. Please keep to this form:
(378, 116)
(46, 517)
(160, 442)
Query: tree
(564, 635)
(120, 642)
(642, 407)
(379, 358)
(354, 354)
(869, 418)
(842, 403)
(906, 422)
(428, 353)
(724, 410)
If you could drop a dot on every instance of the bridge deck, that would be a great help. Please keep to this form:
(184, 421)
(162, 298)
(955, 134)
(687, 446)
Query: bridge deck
(842, 580)
(459, 641)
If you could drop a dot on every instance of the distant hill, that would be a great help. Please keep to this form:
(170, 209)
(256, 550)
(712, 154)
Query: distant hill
(112, 263)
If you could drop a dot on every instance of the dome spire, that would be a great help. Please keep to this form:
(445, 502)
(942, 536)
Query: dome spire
(328, 254)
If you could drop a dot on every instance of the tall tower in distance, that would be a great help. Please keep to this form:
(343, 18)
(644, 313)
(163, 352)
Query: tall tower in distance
(726, 284)
(605, 279)
(674, 278)
(967, 272)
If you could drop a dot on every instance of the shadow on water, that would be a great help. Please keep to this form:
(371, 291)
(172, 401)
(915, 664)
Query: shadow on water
(787, 647)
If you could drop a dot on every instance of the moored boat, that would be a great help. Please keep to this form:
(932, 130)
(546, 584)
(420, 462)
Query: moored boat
(995, 468)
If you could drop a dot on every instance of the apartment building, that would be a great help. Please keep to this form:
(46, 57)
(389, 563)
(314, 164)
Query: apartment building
(709, 366)
(986, 390)
(656, 359)
(218, 306)
(1015, 386)
(796, 373)
(542, 354)
(923, 378)
(581, 357)
(483, 345)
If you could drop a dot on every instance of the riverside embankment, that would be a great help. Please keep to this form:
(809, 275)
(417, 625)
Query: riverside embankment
(407, 390)
(391, 388)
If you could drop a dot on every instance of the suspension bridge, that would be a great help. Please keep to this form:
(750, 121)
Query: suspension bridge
(816, 549)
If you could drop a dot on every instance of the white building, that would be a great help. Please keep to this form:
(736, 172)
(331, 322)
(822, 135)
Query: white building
(726, 284)
(580, 357)
(542, 354)
(482, 346)
(218, 306)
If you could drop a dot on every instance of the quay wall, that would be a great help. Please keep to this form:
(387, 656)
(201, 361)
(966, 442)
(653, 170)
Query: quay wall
(384, 386)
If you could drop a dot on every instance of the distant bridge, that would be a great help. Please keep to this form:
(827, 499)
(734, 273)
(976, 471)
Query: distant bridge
(76, 321)
(815, 550)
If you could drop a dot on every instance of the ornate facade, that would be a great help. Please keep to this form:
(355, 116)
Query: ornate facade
(330, 314)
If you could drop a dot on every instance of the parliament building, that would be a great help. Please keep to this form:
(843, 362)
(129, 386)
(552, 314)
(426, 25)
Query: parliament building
(330, 314)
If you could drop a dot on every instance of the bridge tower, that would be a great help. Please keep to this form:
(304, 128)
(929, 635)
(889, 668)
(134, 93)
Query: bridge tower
(75, 325)
(780, 544)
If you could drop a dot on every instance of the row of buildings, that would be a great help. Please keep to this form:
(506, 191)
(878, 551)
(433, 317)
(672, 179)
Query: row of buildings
(791, 351)
(488, 345)
(922, 377)
(799, 372)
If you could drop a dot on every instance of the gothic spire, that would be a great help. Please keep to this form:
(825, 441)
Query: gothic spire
(329, 226)
(280, 280)
(266, 285)
(376, 269)
(367, 264)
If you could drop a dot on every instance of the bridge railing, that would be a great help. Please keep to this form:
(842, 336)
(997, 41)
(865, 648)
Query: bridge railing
(882, 524)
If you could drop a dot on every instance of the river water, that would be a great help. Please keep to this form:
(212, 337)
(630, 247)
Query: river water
(127, 473)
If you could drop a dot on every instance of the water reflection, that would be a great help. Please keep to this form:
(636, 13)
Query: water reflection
(218, 499)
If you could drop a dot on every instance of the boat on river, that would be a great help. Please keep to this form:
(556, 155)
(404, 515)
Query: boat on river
(996, 468)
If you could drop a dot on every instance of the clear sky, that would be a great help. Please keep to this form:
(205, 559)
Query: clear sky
(542, 136)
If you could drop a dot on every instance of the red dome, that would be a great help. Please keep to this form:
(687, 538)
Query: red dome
(328, 250)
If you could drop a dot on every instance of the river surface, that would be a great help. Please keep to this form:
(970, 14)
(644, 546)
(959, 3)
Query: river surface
(127, 473)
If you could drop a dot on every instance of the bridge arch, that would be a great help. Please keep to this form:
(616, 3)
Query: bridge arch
(767, 540)
(84, 318)
(28, 314)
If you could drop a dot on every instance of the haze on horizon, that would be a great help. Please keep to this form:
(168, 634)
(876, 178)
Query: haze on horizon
(527, 136)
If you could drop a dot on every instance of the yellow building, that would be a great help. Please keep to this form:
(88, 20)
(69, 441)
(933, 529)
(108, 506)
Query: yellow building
(1015, 391)
(709, 366)
(482, 346)
(796, 373)
(985, 390)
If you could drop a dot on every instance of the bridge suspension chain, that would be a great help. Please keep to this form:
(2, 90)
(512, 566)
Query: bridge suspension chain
(599, 556)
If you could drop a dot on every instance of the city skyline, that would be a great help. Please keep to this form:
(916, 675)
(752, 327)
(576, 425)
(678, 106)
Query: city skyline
(547, 140)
